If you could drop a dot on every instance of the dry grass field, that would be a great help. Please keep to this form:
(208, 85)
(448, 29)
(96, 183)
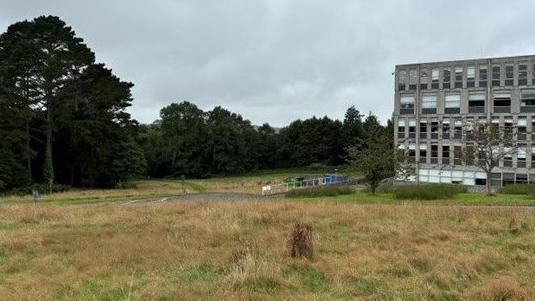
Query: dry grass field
(237, 251)
(250, 184)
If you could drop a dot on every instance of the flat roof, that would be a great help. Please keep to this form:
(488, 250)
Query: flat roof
(460, 61)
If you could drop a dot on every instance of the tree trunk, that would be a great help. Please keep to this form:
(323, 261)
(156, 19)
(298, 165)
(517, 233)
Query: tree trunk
(48, 170)
(28, 150)
(489, 187)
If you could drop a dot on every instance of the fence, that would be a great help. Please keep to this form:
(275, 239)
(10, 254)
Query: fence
(302, 183)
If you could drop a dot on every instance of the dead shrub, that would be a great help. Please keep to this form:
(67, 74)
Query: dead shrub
(514, 226)
(300, 241)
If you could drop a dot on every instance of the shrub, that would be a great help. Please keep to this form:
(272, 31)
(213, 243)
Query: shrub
(514, 226)
(427, 192)
(383, 188)
(319, 191)
(300, 241)
(41, 188)
(518, 189)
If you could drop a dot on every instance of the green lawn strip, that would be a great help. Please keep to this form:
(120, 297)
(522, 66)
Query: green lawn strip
(468, 199)
(195, 186)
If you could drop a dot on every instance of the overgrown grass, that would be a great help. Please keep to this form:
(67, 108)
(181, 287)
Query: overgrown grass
(137, 189)
(320, 191)
(427, 192)
(238, 251)
(250, 183)
(528, 189)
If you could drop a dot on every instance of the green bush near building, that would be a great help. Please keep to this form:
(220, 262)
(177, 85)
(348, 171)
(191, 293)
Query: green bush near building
(528, 189)
(427, 191)
(320, 191)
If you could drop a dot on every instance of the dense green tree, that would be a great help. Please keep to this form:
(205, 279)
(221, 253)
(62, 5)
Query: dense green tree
(55, 100)
(12, 172)
(353, 127)
(151, 140)
(183, 127)
(312, 140)
(230, 142)
(92, 127)
(128, 161)
(267, 147)
(374, 156)
(44, 54)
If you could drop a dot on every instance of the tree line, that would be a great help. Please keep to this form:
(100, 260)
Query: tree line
(187, 141)
(63, 120)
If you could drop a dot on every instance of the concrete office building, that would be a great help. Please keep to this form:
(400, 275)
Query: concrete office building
(434, 100)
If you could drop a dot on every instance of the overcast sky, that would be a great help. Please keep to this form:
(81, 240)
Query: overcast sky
(279, 60)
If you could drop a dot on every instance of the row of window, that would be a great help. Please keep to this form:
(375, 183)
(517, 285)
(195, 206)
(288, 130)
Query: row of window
(454, 129)
(467, 77)
(453, 155)
(473, 178)
(476, 102)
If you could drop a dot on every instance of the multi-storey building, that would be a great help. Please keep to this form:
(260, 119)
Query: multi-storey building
(433, 102)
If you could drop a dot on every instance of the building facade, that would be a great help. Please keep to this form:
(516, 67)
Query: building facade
(433, 102)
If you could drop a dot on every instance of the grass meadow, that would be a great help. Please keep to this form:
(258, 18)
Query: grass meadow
(85, 245)
(237, 251)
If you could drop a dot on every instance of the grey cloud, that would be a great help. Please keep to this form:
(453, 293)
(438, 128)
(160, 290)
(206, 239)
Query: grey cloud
(277, 60)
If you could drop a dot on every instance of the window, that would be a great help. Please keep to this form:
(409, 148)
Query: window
(402, 80)
(483, 76)
(457, 128)
(476, 103)
(469, 154)
(458, 154)
(509, 75)
(412, 153)
(401, 128)
(445, 129)
(470, 76)
(434, 129)
(502, 102)
(445, 154)
(521, 157)
(495, 76)
(412, 128)
(469, 126)
(458, 77)
(423, 153)
(527, 101)
(424, 79)
(429, 104)
(508, 157)
(423, 129)
(407, 104)
(496, 179)
(413, 79)
(533, 75)
(447, 78)
(522, 75)
(532, 156)
(434, 78)
(521, 127)
(434, 154)
(508, 128)
(521, 178)
(452, 104)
